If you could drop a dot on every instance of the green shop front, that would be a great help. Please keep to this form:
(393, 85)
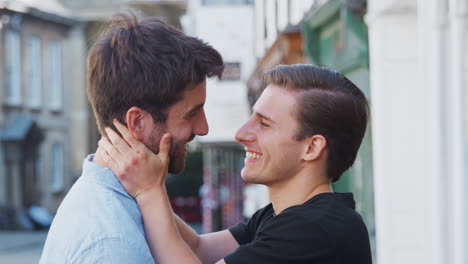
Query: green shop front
(335, 36)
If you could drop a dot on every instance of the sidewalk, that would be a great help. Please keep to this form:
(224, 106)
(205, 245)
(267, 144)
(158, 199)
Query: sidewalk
(21, 247)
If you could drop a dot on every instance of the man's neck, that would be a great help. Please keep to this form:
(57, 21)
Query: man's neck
(297, 190)
(98, 158)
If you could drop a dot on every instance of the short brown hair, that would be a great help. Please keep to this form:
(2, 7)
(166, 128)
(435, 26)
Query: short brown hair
(330, 105)
(147, 64)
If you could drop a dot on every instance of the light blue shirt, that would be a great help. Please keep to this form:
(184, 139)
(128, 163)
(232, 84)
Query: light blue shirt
(97, 222)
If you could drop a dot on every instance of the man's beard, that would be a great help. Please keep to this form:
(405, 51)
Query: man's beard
(176, 153)
(177, 157)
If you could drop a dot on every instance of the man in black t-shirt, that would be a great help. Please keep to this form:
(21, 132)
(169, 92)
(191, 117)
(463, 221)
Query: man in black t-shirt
(305, 131)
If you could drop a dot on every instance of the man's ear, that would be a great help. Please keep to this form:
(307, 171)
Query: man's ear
(315, 149)
(137, 121)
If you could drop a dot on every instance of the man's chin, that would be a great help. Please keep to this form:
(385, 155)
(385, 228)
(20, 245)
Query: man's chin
(177, 166)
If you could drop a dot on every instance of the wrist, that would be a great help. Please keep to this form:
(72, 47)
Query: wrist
(151, 195)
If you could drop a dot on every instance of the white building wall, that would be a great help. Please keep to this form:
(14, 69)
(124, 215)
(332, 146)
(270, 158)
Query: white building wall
(259, 28)
(271, 20)
(230, 30)
(419, 122)
(458, 142)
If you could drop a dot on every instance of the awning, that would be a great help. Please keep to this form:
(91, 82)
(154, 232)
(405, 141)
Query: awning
(21, 128)
(287, 49)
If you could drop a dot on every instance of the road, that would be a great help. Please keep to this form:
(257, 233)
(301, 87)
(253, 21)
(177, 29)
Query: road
(21, 247)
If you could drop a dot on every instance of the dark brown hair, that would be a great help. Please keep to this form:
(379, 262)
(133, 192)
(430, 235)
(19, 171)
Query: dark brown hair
(330, 105)
(147, 64)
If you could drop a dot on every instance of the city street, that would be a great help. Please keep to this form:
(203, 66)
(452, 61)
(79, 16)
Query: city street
(21, 247)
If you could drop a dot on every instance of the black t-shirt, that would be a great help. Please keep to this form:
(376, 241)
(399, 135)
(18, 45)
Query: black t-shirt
(326, 229)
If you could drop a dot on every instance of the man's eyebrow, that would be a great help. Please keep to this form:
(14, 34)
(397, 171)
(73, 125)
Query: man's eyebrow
(263, 116)
(195, 109)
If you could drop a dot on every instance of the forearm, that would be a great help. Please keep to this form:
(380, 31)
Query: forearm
(215, 246)
(164, 239)
(188, 234)
(210, 247)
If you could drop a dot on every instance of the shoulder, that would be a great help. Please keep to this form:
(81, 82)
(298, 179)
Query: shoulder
(286, 238)
(331, 221)
(93, 204)
(333, 207)
(115, 249)
(328, 219)
(331, 212)
(93, 216)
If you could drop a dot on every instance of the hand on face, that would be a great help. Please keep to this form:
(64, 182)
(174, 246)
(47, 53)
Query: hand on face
(138, 168)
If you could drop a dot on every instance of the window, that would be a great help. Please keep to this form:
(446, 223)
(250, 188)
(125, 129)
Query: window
(12, 68)
(57, 168)
(232, 71)
(34, 71)
(55, 73)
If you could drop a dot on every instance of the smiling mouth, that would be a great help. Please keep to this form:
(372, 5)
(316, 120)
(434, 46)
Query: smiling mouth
(252, 155)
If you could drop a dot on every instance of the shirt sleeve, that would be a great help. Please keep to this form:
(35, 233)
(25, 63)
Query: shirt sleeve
(244, 232)
(241, 233)
(287, 238)
(115, 251)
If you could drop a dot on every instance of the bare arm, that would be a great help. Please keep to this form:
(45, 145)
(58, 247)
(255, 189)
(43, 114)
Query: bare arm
(165, 241)
(215, 246)
(208, 247)
(188, 234)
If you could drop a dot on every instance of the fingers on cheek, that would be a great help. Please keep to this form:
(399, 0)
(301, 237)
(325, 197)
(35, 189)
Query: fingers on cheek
(107, 159)
(141, 152)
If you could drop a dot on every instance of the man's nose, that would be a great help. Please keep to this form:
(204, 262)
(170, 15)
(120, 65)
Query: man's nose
(245, 133)
(201, 125)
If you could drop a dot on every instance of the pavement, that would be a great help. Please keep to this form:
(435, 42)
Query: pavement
(26, 247)
(21, 247)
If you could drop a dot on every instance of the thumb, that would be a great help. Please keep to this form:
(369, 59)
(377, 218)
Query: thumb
(164, 148)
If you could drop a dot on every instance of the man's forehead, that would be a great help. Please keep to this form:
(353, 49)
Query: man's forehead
(194, 94)
(274, 102)
(192, 100)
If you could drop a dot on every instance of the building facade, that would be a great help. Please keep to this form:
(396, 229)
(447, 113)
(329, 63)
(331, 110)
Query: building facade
(46, 124)
(42, 100)
(419, 69)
